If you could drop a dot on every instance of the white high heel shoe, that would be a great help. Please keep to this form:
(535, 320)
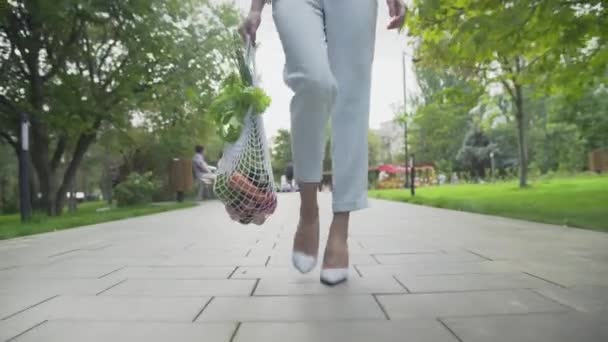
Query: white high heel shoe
(304, 262)
(334, 276)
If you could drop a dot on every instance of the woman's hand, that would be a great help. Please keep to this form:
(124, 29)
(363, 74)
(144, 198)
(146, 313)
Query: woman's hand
(250, 26)
(397, 12)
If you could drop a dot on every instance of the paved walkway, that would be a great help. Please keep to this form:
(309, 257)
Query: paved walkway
(418, 274)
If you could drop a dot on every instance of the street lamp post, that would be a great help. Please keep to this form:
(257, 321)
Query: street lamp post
(405, 184)
(24, 179)
(492, 164)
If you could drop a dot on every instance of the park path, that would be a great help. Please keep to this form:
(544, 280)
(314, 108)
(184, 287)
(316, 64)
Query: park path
(418, 274)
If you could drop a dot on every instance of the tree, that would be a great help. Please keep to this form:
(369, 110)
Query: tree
(281, 152)
(112, 59)
(8, 180)
(440, 120)
(589, 113)
(512, 44)
(373, 148)
(475, 152)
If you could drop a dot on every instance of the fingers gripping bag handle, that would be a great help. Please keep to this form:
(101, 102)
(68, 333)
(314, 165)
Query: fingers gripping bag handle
(245, 181)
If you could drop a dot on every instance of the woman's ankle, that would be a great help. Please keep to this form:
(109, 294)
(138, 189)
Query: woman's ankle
(309, 215)
(339, 226)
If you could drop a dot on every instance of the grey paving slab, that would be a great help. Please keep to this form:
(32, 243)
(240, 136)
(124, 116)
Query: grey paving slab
(396, 259)
(66, 330)
(471, 282)
(588, 299)
(359, 331)
(531, 328)
(572, 276)
(174, 272)
(216, 260)
(94, 260)
(51, 287)
(438, 268)
(11, 328)
(12, 304)
(466, 304)
(356, 285)
(285, 272)
(183, 287)
(285, 259)
(206, 252)
(58, 271)
(106, 308)
(156, 273)
(396, 246)
(291, 308)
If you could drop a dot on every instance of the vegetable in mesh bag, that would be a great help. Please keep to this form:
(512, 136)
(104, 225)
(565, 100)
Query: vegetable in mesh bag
(244, 183)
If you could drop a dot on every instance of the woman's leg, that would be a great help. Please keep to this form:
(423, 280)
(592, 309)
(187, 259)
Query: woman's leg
(300, 25)
(351, 30)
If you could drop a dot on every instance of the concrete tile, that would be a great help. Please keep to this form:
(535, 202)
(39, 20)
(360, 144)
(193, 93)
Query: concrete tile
(471, 282)
(58, 271)
(51, 287)
(588, 299)
(11, 304)
(183, 287)
(90, 260)
(397, 259)
(531, 328)
(11, 328)
(284, 259)
(466, 304)
(217, 260)
(77, 331)
(100, 308)
(572, 277)
(175, 272)
(355, 285)
(359, 331)
(438, 268)
(296, 308)
(285, 272)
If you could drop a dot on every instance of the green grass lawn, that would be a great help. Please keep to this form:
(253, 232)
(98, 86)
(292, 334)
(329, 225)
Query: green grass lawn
(87, 214)
(578, 201)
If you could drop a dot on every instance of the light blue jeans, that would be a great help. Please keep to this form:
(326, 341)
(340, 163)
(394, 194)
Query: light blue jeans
(329, 49)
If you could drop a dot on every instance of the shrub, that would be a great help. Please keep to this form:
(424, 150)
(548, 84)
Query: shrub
(136, 189)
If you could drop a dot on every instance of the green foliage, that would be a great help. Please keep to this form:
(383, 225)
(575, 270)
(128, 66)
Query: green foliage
(373, 148)
(87, 214)
(589, 114)
(525, 49)
(505, 138)
(560, 148)
(157, 61)
(136, 189)
(281, 152)
(439, 124)
(444, 166)
(232, 104)
(574, 201)
(8, 180)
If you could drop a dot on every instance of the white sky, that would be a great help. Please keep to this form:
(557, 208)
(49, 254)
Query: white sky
(387, 84)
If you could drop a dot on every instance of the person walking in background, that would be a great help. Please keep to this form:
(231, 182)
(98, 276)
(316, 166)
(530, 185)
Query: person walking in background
(329, 49)
(289, 175)
(204, 174)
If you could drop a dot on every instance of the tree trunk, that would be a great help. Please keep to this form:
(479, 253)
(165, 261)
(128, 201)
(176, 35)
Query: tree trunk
(521, 136)
(84, 141)
(46, 178)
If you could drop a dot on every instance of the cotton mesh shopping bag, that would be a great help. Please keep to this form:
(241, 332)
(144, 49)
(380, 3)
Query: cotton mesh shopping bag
(245, 182)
